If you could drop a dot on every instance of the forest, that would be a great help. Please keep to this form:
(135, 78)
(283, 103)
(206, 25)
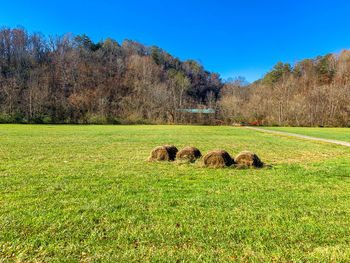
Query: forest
(71, 79)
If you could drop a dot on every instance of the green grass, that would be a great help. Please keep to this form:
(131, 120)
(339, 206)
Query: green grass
(85, 193)
(340, 134)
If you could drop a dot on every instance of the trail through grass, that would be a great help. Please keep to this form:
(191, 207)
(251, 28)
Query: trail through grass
(340, 134)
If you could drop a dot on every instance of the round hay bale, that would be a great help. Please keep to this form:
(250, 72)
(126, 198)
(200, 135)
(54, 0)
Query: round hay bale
(218, 159)
(189, 153)
(172, 151)
(159, 153)
(247, 159)
(163, 153)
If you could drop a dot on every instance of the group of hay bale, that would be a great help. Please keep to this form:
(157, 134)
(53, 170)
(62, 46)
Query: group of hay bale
(217, 158)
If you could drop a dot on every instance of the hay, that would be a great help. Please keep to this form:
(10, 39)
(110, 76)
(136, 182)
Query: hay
(159, 154)
(163, 153)
(189, 153)
(247, 159)
(218, 159)
(172, 150)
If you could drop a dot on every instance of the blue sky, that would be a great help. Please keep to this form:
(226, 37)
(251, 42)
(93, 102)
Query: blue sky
(233, 38)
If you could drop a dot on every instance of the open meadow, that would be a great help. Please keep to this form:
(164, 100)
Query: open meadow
(340, 134)
(85, 193)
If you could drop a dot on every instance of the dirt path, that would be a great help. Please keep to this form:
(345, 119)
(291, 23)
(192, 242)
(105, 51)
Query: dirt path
(301, 136)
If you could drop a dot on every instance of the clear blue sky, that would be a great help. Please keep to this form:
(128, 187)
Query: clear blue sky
(234, 38)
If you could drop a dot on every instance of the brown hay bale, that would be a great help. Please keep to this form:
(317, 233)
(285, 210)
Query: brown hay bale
(163, 153)
(189, 153)
(172, 150)
(247, 159)
(218, 159)
(159, 153)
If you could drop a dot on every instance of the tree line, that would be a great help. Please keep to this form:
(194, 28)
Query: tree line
(71, 79)
(315, 92)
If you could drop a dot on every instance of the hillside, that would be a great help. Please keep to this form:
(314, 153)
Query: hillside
(314, 92)
(71, 79)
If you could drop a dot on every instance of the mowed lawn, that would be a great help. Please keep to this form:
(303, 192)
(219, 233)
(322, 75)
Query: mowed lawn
(340, 134)
(86, 193)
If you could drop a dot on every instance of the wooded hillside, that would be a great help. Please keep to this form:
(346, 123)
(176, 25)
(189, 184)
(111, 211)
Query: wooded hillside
(71, 79)
(315, 92)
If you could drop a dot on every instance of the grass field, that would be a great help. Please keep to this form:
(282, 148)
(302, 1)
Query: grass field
(85, 193)
(340, 134)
